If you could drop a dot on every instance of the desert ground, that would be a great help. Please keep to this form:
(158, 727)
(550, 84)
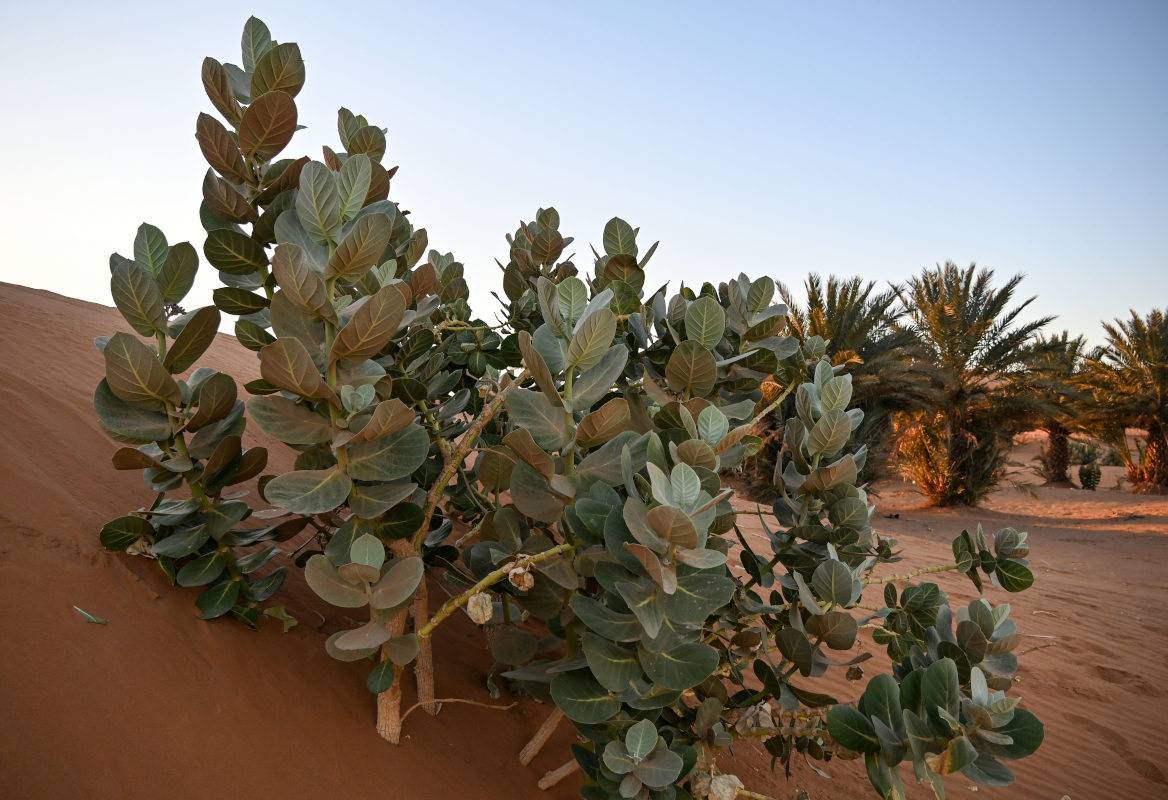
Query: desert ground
(160, 704)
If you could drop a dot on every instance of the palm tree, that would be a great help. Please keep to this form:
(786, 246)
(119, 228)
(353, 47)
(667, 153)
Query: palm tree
(1128, 381)
(1054, 364)
(966, 328)
(860, 327)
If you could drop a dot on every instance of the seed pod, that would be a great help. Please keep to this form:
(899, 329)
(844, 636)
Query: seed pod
(480, 608)
(521, 579)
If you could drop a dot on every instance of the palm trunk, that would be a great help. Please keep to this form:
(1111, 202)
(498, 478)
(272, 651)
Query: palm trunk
(1057, 456)
(1151, 477)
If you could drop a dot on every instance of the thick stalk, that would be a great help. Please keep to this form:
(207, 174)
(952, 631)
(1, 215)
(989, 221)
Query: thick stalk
(424, 664)
(458, 454)
(532, 748)
(550, 779)
(389, 720)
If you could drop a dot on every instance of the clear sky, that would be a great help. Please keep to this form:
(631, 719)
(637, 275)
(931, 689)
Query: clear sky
(770, 138)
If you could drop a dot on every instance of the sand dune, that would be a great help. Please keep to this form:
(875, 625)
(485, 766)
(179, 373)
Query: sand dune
(160, 704)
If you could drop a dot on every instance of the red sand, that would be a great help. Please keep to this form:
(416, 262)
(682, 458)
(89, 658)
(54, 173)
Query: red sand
(160, 704)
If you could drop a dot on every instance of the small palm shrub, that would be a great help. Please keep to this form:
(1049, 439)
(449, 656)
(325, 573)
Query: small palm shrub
(1090, 475)
(598, 537)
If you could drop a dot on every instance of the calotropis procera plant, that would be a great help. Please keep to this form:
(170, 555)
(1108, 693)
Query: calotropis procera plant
(556, 473)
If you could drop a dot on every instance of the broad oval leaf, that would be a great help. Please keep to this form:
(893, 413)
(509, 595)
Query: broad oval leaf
(318, 203)
(267, 126)
(705, 322)
(135, 374)
(137, 297)
(398, 584)
(234, 253)
(353, 184)
(281, 68)
(324, 579)
(196, 336)
(682, 667)
(286, 363)
(219, 149)
(122, 532)
(691, 370)
(373, 324)
(361, 248)
(389, 457)
(177, 275)
(288, 421)
(592, 340)
(309, 491)
(300, 283)
(582, 699)
(603, 424)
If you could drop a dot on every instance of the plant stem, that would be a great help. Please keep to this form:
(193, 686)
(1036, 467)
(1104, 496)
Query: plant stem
(532, 748)
(908, 575)
(550, 779)
(458, 455)
(455, 603)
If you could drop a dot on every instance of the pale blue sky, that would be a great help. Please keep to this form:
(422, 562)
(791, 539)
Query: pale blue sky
(771, 138)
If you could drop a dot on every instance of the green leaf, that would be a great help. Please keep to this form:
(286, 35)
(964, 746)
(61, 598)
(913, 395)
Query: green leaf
(705, 322)
(324, 579)
(837, 629)
(281, 68)
(881, 699)
(368, 550)
(309, 491)
(939, 689)
(535, 413)
(372, 325)
(682, 667)
(833, 582)
(122, 532)
(640, 739)
(691, 370)
(1014, 576)
(712, 425)
(381, 678)
(643, 600)
(592, 384)
(582, 699)
(182, 543)
(619, 237)
(361, 248)
(268, 125)
(318, 203)
(203, 570)
(288, 421)
(218, 600)
(150, 248)
(398, 584)
(128, 423)
(353, 184)
(135, 374)
(614, 667)
(660, 769)
(795, 647)
(829, 434)
(593, 339)
(234, 253)
(513, 646)
(686, 485)
(610, 624)
(90, 618)
(255, 42)
(177, 275)
(197, 335)
(571, 299)
(286, 363)
(239, 302)
(301, 284)
(390, 457)
(220, 149)
(852, 730)
(136, 295)
(697, 597)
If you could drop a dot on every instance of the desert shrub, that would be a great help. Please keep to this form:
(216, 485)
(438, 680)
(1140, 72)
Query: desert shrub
(598, 536)
(1112, 458)
(1080, 452)
(1089, 476)
(1053, 364)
